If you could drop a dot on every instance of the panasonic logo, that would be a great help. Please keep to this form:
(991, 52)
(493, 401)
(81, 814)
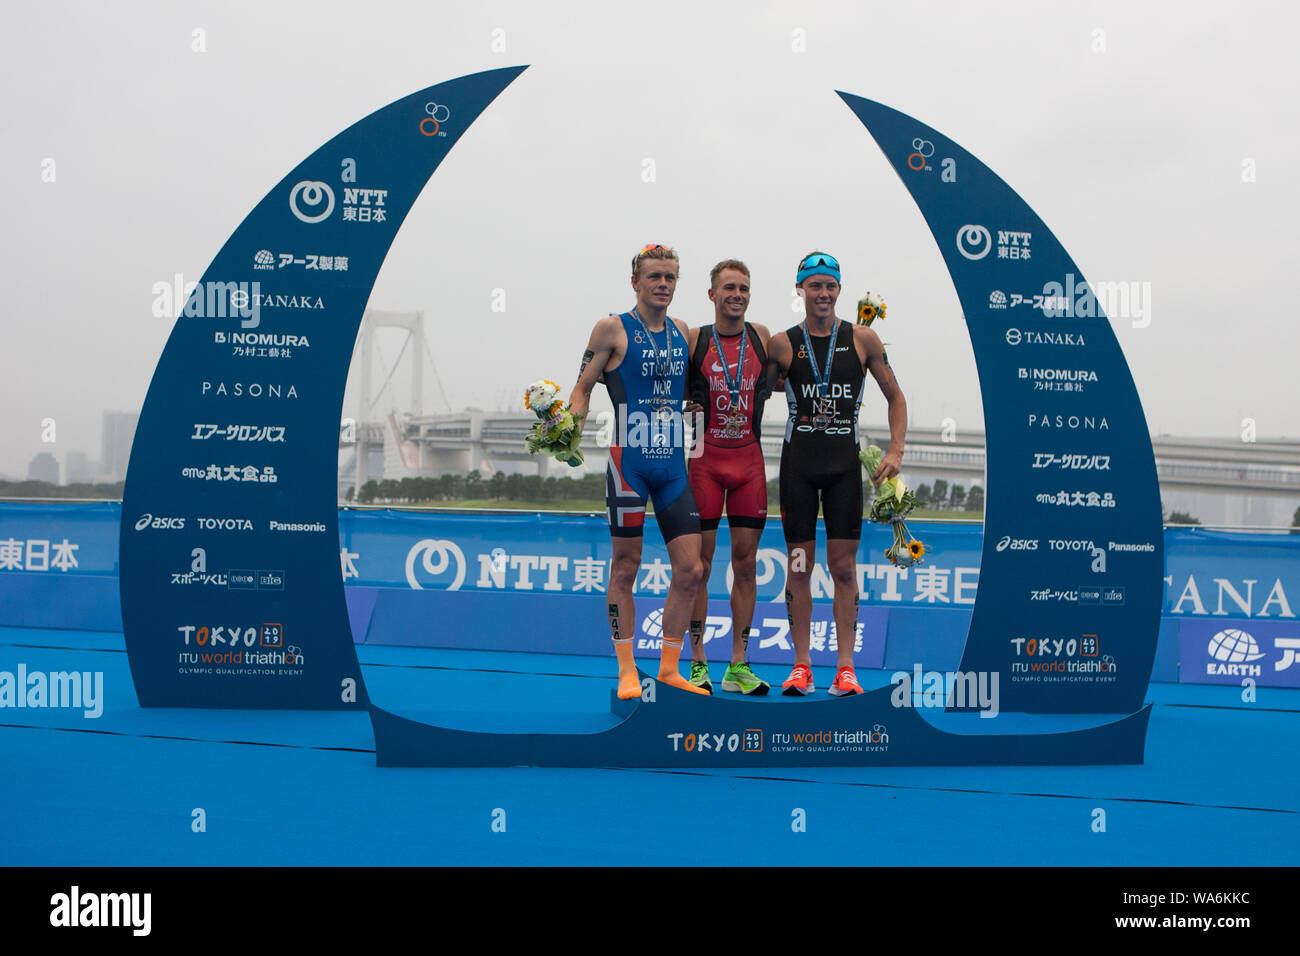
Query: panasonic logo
(298, 526)
(1147, 546)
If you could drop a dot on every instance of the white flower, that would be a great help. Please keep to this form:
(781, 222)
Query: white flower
(870, 308)
(540, 396)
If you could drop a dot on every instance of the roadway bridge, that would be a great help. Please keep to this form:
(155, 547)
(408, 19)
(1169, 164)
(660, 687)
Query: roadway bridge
(1220, 481)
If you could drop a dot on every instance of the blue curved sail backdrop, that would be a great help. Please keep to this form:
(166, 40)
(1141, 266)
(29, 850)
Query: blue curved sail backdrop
(1068, 607)
(231, 584)
(231, 588)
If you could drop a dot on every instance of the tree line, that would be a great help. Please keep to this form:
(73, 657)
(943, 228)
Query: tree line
(941, 497)
(591, 487)
(475, 487)
(43, 489)
(531, 488)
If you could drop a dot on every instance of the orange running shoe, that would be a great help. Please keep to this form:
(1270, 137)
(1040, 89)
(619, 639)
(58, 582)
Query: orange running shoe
(846, 683)
(799, 683)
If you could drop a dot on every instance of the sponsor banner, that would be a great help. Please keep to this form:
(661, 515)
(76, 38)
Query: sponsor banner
(1208, 574)
(1218, 574)
(909, 723)
(1234, 651)
(1211, 577)
(770, 641)
(472, 621)
(1065, 659)
(61, 539)
(1073, 455)
(560, 554)
(229, 516)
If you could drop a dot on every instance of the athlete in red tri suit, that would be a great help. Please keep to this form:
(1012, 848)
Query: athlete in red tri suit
(726, 377)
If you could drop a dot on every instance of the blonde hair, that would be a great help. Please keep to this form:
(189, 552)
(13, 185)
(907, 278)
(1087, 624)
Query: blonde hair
(727, 264)
(657, 252)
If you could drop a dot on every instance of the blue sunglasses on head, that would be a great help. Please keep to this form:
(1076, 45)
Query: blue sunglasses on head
(819, 263)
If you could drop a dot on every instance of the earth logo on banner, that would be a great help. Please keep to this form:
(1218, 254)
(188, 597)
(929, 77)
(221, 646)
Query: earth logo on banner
(1233, 646)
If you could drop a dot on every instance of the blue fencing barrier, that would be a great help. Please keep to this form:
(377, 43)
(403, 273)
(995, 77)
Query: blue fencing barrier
(522, 581)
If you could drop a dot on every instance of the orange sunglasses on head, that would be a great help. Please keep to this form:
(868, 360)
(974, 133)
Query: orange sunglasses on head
(650, 248)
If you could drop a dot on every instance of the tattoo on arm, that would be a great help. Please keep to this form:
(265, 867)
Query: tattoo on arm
(892, 373)
(587, 356)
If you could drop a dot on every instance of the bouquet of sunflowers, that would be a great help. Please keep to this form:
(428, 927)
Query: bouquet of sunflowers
(556, 430)
(893, 503)
(870, 308)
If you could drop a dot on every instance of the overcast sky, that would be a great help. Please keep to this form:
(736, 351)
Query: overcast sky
(1130, 128)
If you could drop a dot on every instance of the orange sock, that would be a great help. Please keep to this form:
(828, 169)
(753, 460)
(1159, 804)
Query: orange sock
(668, 657)
(629, 681)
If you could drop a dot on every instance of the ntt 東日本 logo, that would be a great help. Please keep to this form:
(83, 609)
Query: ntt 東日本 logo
(313, 194)
(312, 201)
(974, 242)
(437, 556)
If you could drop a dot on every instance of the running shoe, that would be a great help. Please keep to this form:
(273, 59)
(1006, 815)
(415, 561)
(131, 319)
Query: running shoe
(739, 679)
(700, 675)
(799, 682)
(846, 683)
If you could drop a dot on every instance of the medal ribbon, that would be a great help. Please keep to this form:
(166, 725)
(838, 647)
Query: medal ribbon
(663, 362)
(823, 381)
(732, 386)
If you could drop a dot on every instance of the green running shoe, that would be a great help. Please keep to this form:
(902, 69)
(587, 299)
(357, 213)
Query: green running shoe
(700, 675)
(739, 679)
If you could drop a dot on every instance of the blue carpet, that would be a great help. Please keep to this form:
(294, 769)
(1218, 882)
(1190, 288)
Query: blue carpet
(1220, 786)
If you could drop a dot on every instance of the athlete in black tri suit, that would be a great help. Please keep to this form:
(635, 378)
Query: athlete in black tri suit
(641, 357)
(819, 459)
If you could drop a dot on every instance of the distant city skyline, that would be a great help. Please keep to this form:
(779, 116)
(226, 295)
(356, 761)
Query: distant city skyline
(1151, 168)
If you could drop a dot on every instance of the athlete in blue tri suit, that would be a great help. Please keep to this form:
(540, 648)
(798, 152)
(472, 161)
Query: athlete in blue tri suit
(641, 357)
